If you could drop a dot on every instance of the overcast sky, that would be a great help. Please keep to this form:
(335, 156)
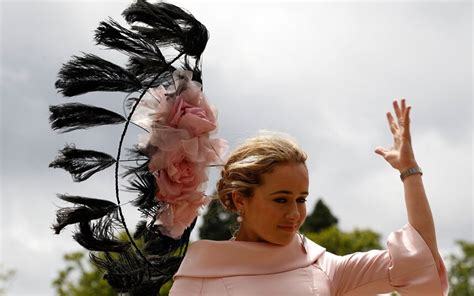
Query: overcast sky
(325, 73)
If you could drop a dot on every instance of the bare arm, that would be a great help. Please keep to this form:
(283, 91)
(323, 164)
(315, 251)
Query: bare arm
(401, 157)
(419, 212)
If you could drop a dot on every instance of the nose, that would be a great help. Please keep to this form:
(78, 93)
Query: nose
(293, 212)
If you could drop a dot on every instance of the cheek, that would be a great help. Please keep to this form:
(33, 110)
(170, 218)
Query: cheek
(267, 214)
(302, 211)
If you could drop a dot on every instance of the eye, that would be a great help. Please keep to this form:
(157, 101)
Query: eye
(302, 200)
(280, 200)
(283, 200)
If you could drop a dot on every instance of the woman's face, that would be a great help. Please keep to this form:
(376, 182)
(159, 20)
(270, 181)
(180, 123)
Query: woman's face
(277, 209)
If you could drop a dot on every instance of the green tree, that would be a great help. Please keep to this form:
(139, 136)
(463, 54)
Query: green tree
(5, 276)
(81, 278)
(321, 218)
(218, 224)
(461, 273)
(343, 243)
(321, 227)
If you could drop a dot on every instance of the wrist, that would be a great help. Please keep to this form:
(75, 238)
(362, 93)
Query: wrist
(407, 166)
(415, 170)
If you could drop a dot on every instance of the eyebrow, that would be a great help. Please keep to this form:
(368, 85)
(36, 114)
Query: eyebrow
(287, 192)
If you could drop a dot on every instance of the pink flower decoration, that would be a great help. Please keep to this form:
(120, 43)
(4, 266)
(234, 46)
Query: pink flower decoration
(179, 120)
(178, 216)
(175, 144)
(146, 111)
(191, 112)
(179, 181)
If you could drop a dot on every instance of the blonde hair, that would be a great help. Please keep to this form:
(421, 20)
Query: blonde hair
(248, 162)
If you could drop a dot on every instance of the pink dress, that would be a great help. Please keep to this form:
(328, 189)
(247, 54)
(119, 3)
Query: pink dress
(256, 268)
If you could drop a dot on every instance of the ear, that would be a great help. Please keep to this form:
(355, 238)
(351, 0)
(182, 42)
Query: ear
(239, 200)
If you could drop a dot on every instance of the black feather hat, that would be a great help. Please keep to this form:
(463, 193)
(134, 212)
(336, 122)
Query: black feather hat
(172, 156)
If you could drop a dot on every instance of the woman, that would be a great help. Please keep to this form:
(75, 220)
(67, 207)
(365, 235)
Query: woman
(266, 181)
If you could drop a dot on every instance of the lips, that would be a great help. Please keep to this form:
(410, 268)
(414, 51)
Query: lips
(289, 228)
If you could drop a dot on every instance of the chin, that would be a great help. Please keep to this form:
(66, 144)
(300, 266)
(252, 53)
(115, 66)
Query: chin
(282, 241)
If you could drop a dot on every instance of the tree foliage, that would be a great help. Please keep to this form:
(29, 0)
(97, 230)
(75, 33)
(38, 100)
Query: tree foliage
(343, 243)
(5, 276)
(321, 227)
(320, 219)
(218, 224)
(80, 278)
(461, 272)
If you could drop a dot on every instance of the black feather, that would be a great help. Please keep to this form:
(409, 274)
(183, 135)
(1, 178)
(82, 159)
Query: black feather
(81, 164)
(92, 73)
(99, 236)
(123, 271)
(114, 36)
(85, 209)
(196, 69)
(165, 246)
(161, 247)
(161, 272)
(147, 71)
(168, 25)
(127, 272)
(87, 201)
(73, 116)
(141, 230)
(145, 57)
(145, 186)
(139, 169)
(155, 242)
(142, 165)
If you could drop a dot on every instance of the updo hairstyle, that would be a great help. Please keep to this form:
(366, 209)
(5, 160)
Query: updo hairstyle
(248, 162)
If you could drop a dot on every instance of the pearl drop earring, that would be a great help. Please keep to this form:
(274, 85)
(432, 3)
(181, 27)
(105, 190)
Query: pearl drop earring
(239, 218)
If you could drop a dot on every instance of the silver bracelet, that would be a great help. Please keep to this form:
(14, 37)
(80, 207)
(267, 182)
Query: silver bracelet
(411, 171)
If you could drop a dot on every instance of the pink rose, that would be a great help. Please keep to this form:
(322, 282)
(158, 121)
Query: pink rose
(179, 181)
(175, 144)
(191, 112)
(182, 105)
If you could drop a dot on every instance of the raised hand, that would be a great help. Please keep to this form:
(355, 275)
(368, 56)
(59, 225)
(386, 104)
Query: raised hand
(400, 156)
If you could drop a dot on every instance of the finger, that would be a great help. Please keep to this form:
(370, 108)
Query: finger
(406, 127)
(380, 151)
(403, 106)
(397, 109)
(391, 123)
(406, 117)
(399, 112)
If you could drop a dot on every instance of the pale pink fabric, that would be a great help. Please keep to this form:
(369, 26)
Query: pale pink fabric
(250, 268)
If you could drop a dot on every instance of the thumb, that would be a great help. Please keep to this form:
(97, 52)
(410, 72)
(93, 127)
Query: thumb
(380, 151)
